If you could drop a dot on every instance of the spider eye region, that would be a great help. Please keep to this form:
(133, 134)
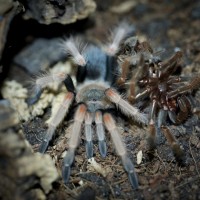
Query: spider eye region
(94, 99)
(93, 96)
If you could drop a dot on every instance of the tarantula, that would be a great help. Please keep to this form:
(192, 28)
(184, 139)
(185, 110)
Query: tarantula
(96, 94)
(167, 94)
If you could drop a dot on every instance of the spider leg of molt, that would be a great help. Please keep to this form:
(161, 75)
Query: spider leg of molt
(74, 141)
(185, 107)
(120, 149)
(169, 66)
(177, 150)
(192, 85)
(60, 114)
(134, 79)
(152, 128)
(124, 72)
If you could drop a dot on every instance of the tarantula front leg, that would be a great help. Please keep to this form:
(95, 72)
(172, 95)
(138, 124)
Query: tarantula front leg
(43, 82)
(125, 107)
(177, 150)
(73, 142)
(89, 134)
(120, 149)
(100, 133)
(63, 109)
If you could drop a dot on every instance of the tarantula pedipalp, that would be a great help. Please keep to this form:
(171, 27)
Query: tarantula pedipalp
(94, 96)
(167, 94)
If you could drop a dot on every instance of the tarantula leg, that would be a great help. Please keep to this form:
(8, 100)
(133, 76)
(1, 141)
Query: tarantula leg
(194, 84)
(43, 82)
(88, 135)
(170, 66)
(69, 84)
(152, 128)
(152, 135)
(172, 116)
(119, 33)
(185, 108)
(75, 48)
(73, 142)
(100, 133)
(135, 77)
(162, 116)
(124, 71)
(131, 96)
(177, 150)
(141, 95)
(120, 149)
(125, 107)
(38, 92)
(68, 160)
(63, 109)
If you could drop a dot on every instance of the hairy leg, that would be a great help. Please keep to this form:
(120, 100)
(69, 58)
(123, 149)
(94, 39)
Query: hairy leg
(120, 149)
(73, 142)
(100, 133)
(177, 150)
(43, 82)
(89, 134)
(63, 109)
(125, 107)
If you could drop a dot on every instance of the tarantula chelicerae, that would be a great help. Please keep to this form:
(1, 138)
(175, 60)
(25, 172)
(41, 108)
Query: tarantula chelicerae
(167, 94)
(95, 95)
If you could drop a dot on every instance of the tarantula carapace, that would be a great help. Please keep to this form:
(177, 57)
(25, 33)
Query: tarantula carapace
(168, 95)
(95, 95)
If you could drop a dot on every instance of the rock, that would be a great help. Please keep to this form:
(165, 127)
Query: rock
(8, 9)
(8, 116)
(39, 55)
(58, 11)
(23, 174)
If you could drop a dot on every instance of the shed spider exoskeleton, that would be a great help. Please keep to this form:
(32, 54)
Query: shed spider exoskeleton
(94, 96)
(167, 94)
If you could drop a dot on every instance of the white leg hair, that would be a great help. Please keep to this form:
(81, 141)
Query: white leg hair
(120, 149)
(125, 107)
(44, 81)
(74, 47)
(89, 134)
(118, 34)
(100, 133)
(63, 109)
(74, 140)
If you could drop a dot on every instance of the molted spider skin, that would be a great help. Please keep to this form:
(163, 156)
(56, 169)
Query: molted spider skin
(94, 96)
(168, 95)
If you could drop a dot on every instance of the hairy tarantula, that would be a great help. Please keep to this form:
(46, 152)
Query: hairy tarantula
(95, 95)
(167, 94)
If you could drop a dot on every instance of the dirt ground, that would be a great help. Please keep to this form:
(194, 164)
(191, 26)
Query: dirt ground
(169, 25)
